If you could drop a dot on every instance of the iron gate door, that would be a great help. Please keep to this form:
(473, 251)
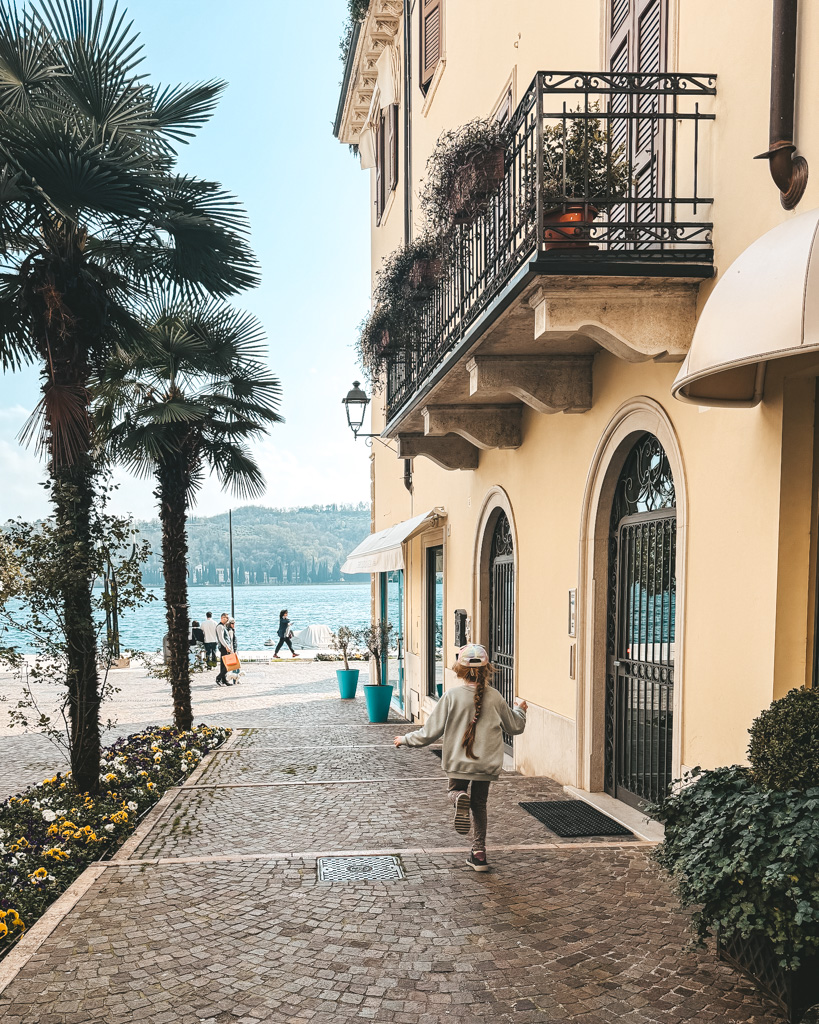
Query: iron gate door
(502, 612)
(641, 632)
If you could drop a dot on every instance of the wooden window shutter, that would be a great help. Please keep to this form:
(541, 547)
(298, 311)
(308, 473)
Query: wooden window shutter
(431, 25)
(637, 35)
(379, 168)
(391, 146)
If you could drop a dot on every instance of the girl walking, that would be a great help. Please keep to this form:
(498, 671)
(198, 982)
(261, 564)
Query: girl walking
(472, 719)
(285, 633)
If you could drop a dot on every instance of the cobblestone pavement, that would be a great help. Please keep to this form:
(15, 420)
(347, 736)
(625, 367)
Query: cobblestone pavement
(558, 931)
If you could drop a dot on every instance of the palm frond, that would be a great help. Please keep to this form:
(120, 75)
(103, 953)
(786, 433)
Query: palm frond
(178, 110)
(60, 425)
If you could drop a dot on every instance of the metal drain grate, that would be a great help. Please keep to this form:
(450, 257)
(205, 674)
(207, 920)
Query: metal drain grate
(574, 818)
(360, 869)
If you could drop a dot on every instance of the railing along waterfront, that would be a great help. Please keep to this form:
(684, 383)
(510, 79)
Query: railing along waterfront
(603, 173)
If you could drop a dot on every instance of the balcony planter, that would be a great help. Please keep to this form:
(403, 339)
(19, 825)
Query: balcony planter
(424, 275)
(378, 699)
(793, 991)
(474, 182)
(347, 682)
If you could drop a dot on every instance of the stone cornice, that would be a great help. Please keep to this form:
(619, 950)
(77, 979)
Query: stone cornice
(378, 30)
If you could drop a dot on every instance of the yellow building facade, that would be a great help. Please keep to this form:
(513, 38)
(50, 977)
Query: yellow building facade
(633, 535)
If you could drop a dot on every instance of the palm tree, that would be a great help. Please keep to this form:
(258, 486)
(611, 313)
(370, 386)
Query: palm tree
(187, 403)
(94, 219)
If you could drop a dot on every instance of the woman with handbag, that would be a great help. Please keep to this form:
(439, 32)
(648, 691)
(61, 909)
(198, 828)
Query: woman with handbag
(285, 634)
(225, 649)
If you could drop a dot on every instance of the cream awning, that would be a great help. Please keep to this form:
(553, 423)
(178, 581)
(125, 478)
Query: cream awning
(383, 551)
(765, 306)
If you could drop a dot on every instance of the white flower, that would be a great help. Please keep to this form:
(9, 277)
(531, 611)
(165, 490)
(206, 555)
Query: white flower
(157, 756)
(132, 805)
(109, 828)
(35, 804)
(49, 815)
(183, 744)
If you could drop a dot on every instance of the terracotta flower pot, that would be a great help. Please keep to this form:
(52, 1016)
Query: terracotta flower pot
(569, 226)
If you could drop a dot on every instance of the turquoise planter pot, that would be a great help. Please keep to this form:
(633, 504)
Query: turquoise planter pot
(347, 682)
(378, 702)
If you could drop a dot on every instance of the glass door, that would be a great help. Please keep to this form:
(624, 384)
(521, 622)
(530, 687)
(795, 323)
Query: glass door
(392, 610)
(435, 621)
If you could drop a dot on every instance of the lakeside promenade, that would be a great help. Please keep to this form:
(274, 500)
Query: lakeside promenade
(214, 913)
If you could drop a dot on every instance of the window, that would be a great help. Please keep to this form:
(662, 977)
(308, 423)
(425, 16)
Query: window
(386, 158)
(435, 620)
(431, 39)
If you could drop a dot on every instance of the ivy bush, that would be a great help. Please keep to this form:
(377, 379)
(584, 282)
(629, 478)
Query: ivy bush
(51, 833)
(746, 859)
(398, 302)
(453, 151)
(784, 747)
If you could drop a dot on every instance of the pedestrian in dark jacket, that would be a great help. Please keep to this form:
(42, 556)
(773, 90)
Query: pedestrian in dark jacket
(225, 647)
(285, 633)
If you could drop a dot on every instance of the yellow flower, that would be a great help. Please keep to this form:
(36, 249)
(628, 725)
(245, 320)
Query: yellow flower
(57, 853)
(110, 777)
(3, 930)
(38, 876)
(151, 785)
(119, 817)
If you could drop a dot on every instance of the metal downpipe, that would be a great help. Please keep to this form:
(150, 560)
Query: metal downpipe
(789, 172)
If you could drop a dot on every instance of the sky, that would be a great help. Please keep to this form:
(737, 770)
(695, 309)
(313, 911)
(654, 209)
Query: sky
(271, 143)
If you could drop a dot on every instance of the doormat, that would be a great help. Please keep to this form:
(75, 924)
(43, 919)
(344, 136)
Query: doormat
(573, 819)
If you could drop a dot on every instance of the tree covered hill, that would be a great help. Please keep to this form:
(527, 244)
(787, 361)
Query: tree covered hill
(270, 545)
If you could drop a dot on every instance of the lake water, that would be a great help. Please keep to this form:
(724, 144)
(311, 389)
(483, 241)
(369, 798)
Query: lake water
(257, 612)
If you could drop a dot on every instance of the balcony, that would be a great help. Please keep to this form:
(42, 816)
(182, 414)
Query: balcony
(600, 207)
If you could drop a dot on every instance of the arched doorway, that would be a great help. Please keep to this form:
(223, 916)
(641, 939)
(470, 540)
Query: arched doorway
(641, 626)
(502, 611)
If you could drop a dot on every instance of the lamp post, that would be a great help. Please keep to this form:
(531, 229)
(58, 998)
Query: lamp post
(356, 402)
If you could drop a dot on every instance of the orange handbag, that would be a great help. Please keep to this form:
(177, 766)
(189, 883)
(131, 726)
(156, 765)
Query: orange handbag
(231, 661)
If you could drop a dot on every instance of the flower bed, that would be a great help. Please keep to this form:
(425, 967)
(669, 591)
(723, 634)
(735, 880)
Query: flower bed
(51, 833)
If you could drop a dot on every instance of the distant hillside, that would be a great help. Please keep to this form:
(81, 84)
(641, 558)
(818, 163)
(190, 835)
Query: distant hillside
(270, 545)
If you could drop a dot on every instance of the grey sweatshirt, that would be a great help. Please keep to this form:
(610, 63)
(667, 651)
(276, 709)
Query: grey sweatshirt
(453, 713)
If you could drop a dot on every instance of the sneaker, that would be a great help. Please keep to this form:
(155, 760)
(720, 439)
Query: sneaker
(477, 861)
(462, 822)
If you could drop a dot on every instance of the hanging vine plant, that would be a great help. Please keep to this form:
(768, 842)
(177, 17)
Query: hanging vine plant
(463, 171)
(403, 285)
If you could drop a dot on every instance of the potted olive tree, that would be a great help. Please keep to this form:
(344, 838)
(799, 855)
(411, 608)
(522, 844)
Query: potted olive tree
(344, 641)
(582, 170)
(376, 639)
(741, 844)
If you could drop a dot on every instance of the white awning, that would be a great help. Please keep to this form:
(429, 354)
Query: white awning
(764, 307)
(383, 551)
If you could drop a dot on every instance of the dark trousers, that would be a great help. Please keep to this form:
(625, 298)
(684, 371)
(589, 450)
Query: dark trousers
(478, 794)
(210, 654)
(222, 676)
(284, 640)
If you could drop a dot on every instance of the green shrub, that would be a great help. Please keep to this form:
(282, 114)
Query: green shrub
(746, 858)
(784, 747)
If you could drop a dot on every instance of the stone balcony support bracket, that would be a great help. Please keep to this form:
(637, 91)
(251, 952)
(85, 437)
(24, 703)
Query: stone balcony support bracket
(645, 320)
(485, 426)
(450, 452)
(548, 384)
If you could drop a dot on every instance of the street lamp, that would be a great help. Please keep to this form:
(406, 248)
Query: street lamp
(356, 403)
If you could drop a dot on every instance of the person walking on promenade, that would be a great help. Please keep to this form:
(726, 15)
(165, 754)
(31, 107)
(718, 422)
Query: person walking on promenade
(209, 632)
(285, 634)
(235, 676)
(472, 719)
(223, 639)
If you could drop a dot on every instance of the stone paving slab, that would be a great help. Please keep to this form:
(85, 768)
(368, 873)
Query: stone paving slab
(587, 937)
(331, 736)
(384, 813)
(319, 764)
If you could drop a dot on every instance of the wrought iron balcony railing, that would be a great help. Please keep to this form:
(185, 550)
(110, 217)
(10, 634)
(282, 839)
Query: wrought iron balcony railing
(602, 174)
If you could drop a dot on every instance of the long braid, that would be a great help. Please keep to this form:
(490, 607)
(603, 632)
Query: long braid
(479, 676)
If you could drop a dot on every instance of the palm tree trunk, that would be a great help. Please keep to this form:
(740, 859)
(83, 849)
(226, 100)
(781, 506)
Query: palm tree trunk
(72, 492)
(173, 514)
